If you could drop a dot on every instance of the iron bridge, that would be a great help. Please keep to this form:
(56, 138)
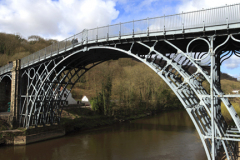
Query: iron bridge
(169, 45)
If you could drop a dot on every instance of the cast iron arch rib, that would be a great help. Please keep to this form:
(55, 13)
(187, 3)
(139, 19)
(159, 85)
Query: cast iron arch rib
(45, 100)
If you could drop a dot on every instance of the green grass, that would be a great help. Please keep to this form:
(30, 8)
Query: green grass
(83, 118)
(228, 86)
(226, 114)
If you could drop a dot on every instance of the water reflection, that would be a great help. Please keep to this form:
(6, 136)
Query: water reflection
(168, 136)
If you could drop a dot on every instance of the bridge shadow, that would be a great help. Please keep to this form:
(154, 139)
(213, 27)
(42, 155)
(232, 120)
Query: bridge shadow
(5, 94)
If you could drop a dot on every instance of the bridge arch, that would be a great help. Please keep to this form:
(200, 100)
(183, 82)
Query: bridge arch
(203, 39)
(166, 58)
(5, 92)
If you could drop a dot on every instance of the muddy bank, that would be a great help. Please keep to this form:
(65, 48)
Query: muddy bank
(73, 119)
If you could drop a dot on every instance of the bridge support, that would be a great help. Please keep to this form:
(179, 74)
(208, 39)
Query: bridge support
(14, 108)
(212, 99)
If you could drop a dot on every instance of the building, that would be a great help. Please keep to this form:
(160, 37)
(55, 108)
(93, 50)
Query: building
(67, 94)
(236, 91)
(85, 101)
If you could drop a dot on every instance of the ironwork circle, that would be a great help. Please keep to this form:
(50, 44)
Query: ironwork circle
(199, 38)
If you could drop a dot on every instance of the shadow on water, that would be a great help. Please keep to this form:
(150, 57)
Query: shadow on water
(167, 136)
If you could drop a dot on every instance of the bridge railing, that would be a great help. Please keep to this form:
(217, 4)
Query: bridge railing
(202, 18)
(7, 68)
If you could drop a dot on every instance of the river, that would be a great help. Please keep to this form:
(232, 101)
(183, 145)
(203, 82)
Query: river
(166, 136)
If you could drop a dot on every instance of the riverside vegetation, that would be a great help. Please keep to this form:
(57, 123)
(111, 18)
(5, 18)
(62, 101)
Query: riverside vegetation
(118, 90)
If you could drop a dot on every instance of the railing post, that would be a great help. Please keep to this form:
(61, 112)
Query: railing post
(87, 37)
(51, 50)
(82, 38)
(133, 29)
(66, 45)
(119, 31)
(108, 33)
(147, 26)
(203, 26)
(58, 47)
(97, 35)
(45, 54)
(182, 27)
(73, 42)
(164, 25)
(227, 23)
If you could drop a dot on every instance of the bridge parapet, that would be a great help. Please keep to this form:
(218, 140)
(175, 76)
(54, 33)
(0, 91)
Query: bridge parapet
(7, 68)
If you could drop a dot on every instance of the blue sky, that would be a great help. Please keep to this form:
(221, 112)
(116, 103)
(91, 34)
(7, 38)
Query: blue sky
(62, 18)
(140, 9)
(59, 19)
(232, 66)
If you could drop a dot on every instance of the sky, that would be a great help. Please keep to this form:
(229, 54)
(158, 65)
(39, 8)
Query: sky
(59, 19)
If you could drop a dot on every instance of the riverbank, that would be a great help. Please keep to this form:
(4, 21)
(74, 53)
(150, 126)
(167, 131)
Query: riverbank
(73, 119)
(77, 119)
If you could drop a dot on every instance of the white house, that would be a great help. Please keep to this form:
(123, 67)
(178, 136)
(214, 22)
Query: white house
(236, 91)
(85, 101)
(67, 94)
(70, 99)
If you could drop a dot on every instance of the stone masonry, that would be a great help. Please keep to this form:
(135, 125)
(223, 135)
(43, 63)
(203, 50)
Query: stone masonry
(15, 93)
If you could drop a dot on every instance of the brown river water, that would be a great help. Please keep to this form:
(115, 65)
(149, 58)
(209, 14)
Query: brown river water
(166, 136)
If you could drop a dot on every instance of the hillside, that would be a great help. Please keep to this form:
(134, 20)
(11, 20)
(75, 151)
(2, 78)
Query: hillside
(222, 76)
(14, 47)
(229, 85)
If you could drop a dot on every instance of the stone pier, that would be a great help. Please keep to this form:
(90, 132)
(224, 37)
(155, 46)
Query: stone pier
(15, 93)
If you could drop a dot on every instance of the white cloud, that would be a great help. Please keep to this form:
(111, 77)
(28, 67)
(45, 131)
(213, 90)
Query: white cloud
(54, 19)
(232, 62)
(192, 5)
(63, 18)
(136, 6)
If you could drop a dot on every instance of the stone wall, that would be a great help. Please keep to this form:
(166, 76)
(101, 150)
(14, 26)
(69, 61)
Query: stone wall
(15, 93)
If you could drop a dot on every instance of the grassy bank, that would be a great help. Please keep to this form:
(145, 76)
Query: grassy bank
(226, 114)
(84, 118)
(93, 120)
